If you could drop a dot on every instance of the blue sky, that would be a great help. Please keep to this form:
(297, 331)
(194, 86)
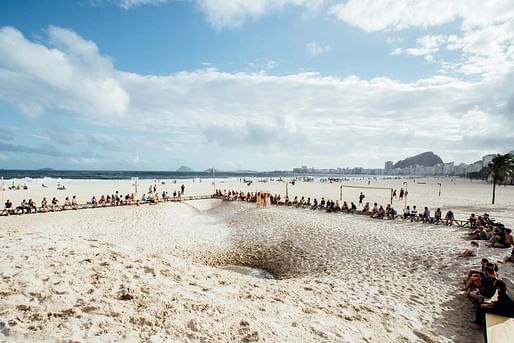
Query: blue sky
(155, 84)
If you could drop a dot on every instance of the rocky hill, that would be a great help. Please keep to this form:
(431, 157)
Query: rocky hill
(427, 159)
(184, 169)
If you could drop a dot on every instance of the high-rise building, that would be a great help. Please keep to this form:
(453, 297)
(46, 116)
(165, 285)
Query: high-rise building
(388, 166)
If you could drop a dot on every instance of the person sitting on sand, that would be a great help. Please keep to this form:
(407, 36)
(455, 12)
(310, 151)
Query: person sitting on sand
(74, 203)
(374, 210)
(503, 306)
(437, 216)
(406, 212)
(353, 207)
(449, 218)
(391, 212)
(55, 204)
(23, 207)
(485, 287)
(473, 220)
(472, 251)
(322, 204)
(307, 203)
(503, 238)
(32, 206)
(8, 207)
(473, 273)
(345, 208)
(44, 205)
(425, 216)
(381, 213)
(414, 214)
(67, 204)
(365, 209)
(481, 234)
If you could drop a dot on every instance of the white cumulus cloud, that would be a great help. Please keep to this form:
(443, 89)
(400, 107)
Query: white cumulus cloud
(69, 75)
(233, 13)
(247, 117)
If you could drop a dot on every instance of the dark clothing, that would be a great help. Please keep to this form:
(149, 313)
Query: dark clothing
(504, 306)
(487, 288)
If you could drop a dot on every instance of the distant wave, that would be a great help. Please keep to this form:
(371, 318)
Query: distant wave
(39, 175)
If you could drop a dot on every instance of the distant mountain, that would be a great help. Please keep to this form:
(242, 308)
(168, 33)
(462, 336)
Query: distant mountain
(426, 159)
(184, 169)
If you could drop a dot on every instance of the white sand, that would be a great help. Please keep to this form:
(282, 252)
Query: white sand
(138, 273)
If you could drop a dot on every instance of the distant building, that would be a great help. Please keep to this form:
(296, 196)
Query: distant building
(487, 159)
(474, 167)
(388, 167)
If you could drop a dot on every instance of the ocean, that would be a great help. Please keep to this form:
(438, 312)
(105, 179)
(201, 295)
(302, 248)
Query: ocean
(9, 174)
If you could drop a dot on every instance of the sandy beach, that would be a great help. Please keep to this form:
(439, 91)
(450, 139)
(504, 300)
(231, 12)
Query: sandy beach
(158, 273)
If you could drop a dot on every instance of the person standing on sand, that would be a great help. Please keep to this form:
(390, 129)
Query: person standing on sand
(182, 189)
(361, 197)
(401, 194)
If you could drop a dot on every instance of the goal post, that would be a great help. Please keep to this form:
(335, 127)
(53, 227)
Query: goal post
(367, 187)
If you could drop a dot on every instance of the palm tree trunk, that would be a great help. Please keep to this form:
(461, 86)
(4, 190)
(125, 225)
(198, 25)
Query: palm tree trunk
(494, 187)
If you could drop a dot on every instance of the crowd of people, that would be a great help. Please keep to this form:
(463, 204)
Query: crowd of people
(375, 211)
(116, 199)
(480, 285)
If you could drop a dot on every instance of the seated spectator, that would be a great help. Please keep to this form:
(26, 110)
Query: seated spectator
(322, 204)
(502, 236)
(374, 210)
(481, 234)
(44, 205)
(32, 207)
(503, 306)
(381, 213)
(365, 209)
(353, 207)
(449, 218)
(425, 216)
(55, 205)
(67, 204)
(486, 288)
(9, 207)
(23, 207)
(74, 203)
(473, 220)
(406, 212)
(94, 203)
(414, 214)
(437, 216)
(472, 251)
(475, 273)
(391, 212)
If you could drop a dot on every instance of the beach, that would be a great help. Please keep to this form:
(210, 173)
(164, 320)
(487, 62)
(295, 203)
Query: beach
(161, 273)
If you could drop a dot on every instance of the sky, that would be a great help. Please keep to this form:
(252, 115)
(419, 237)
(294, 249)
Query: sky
(260, 84)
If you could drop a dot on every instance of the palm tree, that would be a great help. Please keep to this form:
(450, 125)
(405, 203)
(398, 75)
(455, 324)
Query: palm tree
(499, 169)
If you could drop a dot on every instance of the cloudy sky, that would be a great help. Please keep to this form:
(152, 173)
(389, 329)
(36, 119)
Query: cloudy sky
(261, 84)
